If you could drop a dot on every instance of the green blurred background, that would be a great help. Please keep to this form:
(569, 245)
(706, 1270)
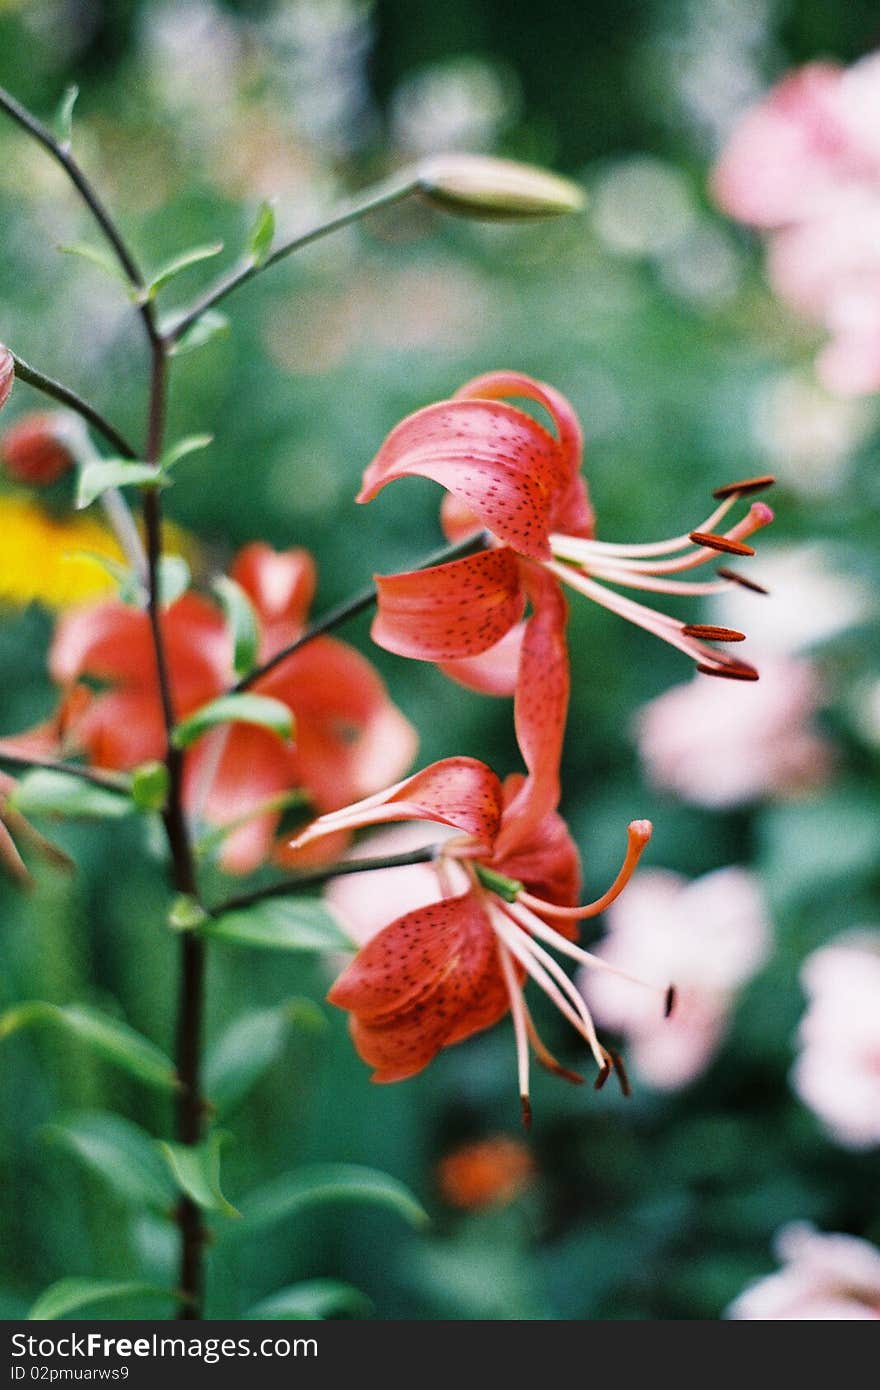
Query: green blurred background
(652, 315)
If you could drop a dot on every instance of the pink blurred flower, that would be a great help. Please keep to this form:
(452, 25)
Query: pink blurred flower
(824, 1278)
(710, 936)
(728, 745)
(837, 1073)
(804, 166)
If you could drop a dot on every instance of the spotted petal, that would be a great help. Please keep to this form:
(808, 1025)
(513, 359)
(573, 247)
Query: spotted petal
(449, 611)
(430, 978)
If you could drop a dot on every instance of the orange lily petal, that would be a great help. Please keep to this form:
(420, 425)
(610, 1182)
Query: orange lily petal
(494, 671)
(449, 611)
(242, 766)
(281, 586)
(460, 792)
(571, 511)
(504, 466)
(429, 978)
(546, 861)
(540, 709)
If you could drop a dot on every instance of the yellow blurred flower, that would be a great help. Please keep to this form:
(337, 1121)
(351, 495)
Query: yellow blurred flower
(42, 556)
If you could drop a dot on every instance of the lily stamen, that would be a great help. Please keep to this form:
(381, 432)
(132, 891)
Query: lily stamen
(638, 834)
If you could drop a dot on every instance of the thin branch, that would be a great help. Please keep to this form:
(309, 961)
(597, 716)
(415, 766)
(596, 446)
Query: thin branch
(65, 396)
(90, 197)
(111, 781)
(381, 197)
(350, 607)
(314, 878)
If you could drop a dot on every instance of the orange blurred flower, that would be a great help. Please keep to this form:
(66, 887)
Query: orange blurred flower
(488, 1172)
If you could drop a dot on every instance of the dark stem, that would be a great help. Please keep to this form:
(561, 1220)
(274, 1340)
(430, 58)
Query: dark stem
(90, 197)
(315, 877)
(350, 607)
(191, 985)
(65, 396)
(112, 781)
(379, 198)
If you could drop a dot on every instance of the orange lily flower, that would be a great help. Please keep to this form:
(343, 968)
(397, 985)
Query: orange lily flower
(507, 888)
(350, 738)
(505, 472)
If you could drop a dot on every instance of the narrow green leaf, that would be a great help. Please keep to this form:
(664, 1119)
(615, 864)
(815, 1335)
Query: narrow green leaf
(190, 445)
(196, 1171)
(101, 474)
(174, 578)
(242, 622)
(259, 242)
(314, 1298)
(108, 1037)
(129, 587)
(171, 269)
(281, 924)
(64, 117)
(99, 256)
(121, 1153)
(45, 792)
(250, 1046)
(69, 1295)
(261, 710)
(329, 1182)
(149, 786)
(209, 325)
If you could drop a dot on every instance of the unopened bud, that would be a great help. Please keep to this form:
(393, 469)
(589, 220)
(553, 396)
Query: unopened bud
(473, 185)
(7, 375)
(149, 786)
(34, 450)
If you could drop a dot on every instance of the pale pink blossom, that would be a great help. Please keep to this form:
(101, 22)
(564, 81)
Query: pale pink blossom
(824, 1278)
(804, 166)
(721, 745)
(837, 1072)
(709, 936)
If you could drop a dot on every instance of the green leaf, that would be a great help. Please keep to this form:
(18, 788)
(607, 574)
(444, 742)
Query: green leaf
(209, 325)
(259, 242)
(171, 269)
(261, 710)
(45, 792)
(108, 1037)
(99, 256)
(250, 1045)
(190, 445)
(64, 117)
(329, 1182)
(130, 589)
(101, 474)
(242, 623)
(314, 1298)
(196, 1171)
(281, 924)
(121, 1153)
(174, 578)
(149, 786)
(186, 913)
(69, 1295)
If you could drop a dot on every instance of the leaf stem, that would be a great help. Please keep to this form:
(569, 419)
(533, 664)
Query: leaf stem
(315, 877)
(65, 396)
(350, 607)
(382, 196)
(113, 781)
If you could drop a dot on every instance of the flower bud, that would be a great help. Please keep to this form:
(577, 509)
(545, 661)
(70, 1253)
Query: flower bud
(478, 186)
(7, 375)
(35, 451)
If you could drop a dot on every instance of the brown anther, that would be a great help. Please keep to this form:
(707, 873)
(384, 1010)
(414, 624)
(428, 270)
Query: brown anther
(713, 634)
(735, 578)
(604, 1073)
(735, 671)
(745, 486)
(669, 1001)
(621, 1073)
(526, 1105)
(713, 542)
